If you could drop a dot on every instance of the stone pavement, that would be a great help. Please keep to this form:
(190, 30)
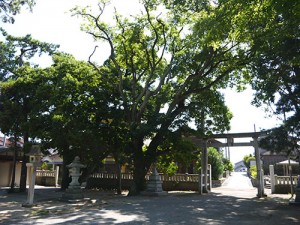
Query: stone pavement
(223, 205)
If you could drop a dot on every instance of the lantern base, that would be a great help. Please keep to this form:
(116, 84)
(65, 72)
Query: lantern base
(72, 195)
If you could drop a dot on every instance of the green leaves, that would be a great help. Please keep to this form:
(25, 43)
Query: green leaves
(9, 8)
(18, 51)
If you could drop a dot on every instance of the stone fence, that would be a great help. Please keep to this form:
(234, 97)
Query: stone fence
(180, 182)
(47, 177)
(281, 184)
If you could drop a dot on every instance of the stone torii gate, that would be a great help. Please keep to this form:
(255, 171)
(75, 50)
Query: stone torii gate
(206, 142)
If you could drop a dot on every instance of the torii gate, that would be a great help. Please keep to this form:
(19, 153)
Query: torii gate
(205, 143)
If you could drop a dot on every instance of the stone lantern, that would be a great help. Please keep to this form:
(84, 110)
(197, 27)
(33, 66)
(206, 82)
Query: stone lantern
(74, 191)
(35, 157)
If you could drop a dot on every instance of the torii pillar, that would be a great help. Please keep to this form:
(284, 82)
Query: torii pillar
(260, 176)
(204, 165)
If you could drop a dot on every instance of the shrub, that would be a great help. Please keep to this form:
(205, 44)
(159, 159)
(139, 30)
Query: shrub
(253, 171)
(227, 165)
(215, 159)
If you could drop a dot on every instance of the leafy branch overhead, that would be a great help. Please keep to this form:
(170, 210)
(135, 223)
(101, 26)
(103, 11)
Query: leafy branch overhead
(9, 8)
(160, 59)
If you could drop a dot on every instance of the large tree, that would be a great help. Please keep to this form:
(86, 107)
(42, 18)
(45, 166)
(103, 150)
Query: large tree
(74, 111)
(19, 78)
(276, 68)
(160, 61)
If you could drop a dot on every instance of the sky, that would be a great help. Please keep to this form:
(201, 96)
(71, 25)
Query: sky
(51, 22)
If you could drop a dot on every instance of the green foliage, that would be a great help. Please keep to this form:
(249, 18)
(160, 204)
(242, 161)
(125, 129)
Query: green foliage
(253, 172)
(215, 159)
(279, 140)
(168, 168)
(180, 151)
(46, 166)
(247, 159)
(228, 166)
(75, 109)
(9, 8)
(275, 66)
(166, 65)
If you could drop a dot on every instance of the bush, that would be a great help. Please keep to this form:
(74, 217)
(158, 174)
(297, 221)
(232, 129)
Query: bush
(46, 166)
(215, 159)
(227, 165)
(247, 160)
(253, 171)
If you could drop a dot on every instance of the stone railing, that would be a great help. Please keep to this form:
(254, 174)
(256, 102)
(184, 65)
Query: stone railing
(285, 180)
(175, 182)
(128, 176)
(45, 173)
(47, 177)
(281, 184)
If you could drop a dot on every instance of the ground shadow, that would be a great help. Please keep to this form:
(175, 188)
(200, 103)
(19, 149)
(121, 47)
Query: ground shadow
(175, 208)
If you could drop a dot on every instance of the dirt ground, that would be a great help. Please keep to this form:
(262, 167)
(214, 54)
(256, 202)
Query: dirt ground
(224, 205)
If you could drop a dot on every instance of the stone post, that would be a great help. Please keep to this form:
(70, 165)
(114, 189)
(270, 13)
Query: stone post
(31, 180)
(210, 178)
(34, 162)
(56, 175)
(272, 177)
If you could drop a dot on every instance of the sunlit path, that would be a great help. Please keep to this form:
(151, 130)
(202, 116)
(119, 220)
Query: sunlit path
(237, 185)
(238, 180)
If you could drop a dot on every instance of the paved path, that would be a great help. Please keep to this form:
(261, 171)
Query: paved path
(233, 204)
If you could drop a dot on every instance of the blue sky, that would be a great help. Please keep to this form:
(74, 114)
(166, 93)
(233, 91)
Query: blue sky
(51, 22)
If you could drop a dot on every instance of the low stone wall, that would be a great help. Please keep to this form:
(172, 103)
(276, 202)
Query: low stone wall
(45, 181)
(283, 189)
(109, 184)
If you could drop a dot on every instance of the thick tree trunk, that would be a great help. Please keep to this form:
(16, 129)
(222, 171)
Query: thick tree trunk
(139, 170)
(13, 178)
(119, 178)
(68, 158)
(139, 181)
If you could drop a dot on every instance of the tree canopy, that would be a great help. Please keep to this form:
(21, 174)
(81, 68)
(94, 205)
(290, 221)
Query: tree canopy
(276, 68)
(166, 63)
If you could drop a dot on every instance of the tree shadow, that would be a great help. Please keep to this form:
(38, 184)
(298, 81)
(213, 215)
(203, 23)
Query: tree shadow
(174, 208)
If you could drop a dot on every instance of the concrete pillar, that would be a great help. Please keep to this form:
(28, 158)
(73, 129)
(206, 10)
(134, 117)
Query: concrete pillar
(56, 175)
(272, 177)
